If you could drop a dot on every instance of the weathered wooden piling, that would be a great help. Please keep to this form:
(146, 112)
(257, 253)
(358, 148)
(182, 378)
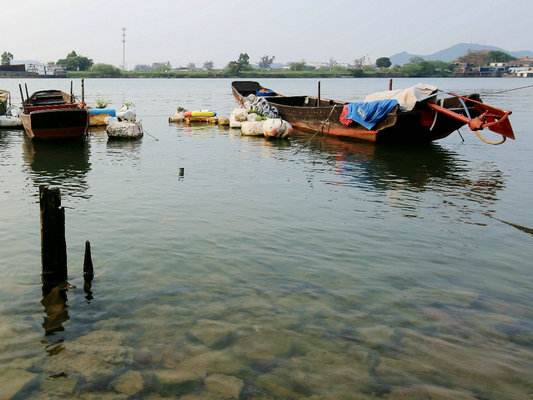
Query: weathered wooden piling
(88, 272)
(181, 172)
(390, 84)
(53, 243)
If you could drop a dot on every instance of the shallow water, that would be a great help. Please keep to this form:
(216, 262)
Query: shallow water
(271, 269)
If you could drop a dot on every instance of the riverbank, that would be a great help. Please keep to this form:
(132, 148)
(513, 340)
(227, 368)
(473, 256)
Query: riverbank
(255, 74)
(357, 73)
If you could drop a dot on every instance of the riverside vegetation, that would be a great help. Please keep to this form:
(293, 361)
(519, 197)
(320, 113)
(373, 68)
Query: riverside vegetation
(78, 66)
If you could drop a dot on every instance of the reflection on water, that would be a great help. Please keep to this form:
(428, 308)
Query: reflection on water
(55, 306)
(385, 167)
(62, 164)
(405, 174)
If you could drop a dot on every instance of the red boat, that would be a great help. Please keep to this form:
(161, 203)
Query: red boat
(429, 120)
(53, 114)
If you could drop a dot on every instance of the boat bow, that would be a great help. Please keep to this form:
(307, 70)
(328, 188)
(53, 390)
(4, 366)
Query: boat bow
(495, 119)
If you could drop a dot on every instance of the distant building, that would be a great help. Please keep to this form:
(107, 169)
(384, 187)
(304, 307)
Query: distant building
(521, 62)
(14, 71)
(492, 71)
(525, 74)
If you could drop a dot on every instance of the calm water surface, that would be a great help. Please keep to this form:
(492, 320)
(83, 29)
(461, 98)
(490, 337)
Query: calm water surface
(271, 269)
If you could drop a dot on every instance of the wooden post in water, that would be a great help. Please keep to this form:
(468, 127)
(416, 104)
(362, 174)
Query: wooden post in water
(53, 243)
(71, 93)
(390, 84)
(82, 91)
(88, 272)
(318, 99)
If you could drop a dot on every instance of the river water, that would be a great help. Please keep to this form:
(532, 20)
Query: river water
(271, 269)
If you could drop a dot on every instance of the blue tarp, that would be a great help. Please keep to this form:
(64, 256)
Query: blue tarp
(369, 114)
(110, 111)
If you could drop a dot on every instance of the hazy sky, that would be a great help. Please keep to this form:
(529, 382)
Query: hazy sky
(291, 30)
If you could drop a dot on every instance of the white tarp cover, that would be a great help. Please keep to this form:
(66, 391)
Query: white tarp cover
(406, 98)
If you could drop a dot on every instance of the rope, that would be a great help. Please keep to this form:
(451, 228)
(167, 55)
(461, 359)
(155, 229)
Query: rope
(150, 135)
(509, 90)
(321, 129)
(489, 142)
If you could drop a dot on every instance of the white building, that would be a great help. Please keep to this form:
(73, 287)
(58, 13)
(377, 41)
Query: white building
(525, 74)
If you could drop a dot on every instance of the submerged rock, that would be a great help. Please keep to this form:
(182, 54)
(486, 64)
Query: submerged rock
(98, 353)
(211, 333)
(59, 386)
(12, 380)
(264, 343)
(442, 393)
(229, 387)
(130, 383)
(176, 376)
(374, 335)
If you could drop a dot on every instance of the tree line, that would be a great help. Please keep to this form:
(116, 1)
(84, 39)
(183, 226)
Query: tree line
(416, 67)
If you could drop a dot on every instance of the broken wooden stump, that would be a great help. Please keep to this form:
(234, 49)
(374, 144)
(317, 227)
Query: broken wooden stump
(53, 243)
(88, 272)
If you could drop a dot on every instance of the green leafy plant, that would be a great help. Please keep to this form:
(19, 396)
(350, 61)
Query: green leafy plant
(129, 104)
(101, 103)
(180, 109)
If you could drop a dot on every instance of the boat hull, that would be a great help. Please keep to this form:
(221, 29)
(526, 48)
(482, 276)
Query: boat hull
(56, 124)
(10, 122)
(409, 127)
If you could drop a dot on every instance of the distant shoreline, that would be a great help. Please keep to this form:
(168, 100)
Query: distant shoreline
(242, 75)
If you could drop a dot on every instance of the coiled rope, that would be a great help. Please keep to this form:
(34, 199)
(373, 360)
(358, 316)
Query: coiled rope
(488, 141)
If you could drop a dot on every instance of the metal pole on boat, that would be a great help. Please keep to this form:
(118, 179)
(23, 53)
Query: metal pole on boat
(82, 91)
(318, 99)
(27, 95)
(71, 93)
(22, 98)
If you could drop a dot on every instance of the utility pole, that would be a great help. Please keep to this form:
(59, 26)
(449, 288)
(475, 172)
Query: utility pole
(124, 49)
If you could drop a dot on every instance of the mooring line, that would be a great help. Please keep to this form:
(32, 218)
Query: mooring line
(144, 130)
(321, 129)
(509, 90)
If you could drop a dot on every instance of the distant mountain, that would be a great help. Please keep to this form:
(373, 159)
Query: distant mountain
(453, 53)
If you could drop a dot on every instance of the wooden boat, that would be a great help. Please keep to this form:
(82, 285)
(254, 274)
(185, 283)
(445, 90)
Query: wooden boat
(426, 122)
(53, 114)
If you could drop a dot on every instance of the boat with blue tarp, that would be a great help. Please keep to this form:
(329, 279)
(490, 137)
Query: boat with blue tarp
(423, 113)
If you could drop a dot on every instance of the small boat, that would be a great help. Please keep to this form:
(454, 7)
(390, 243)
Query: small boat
(10, 121)
(54, 114)
(4, 97)
(9, 114)
(429, 118)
